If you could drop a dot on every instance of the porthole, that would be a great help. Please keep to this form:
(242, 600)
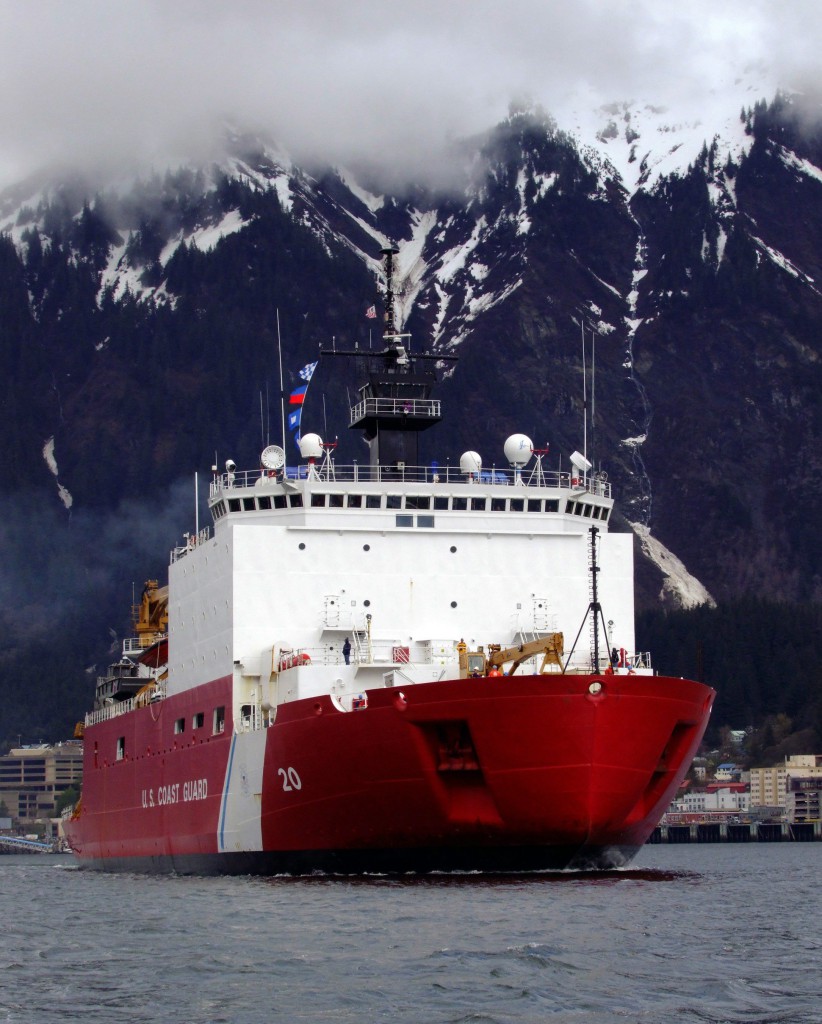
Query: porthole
(453, 604)
(302, 546)
(367, 603)
(453, 550)
(366, 547)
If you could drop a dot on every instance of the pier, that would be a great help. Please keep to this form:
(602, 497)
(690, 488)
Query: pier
(744, 832)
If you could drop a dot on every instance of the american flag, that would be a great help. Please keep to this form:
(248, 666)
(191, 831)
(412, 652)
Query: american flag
(371, 312)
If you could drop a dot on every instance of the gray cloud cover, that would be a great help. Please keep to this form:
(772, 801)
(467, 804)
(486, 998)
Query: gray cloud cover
(118, 83)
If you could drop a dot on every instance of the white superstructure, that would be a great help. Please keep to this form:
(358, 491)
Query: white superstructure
(404, 566)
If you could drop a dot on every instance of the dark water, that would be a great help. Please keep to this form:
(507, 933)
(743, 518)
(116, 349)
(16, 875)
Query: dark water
(695, 935)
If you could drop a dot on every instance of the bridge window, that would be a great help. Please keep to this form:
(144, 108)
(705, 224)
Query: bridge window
(335, 500)
(478, 504)
(498, 504)
(280, 501)
(418, 501)
(355, 501)
(459, 504)
(248, 505)
(393, 501)
(373, 501)
(517, 504)
(425, 522)
(551, 505)
(295, 500)
(318, 500)
(264, 503)
(440, 502)
(535, 504)
(234, 505)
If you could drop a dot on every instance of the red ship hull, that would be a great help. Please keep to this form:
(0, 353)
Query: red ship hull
(505, 773)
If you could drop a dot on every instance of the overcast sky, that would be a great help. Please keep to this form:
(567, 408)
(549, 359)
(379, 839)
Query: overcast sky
(122, 80)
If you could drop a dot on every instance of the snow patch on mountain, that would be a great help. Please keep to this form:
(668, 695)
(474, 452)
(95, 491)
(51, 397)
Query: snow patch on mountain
(679, 585)
(368, 199)
(799, 164)
(51, 462)
(785, 264)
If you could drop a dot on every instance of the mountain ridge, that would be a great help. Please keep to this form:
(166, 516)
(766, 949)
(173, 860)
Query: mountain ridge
(141, 332)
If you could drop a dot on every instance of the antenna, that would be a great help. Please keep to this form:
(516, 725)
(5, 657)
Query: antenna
(584, 395)
(388, 254)
(196, 504)
(593, 394)
(594, 610)
(282, 392)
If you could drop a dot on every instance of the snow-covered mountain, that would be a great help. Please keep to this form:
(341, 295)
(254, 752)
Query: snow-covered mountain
(690, 252)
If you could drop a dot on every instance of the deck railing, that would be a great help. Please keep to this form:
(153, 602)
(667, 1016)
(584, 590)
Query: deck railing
(327, 471)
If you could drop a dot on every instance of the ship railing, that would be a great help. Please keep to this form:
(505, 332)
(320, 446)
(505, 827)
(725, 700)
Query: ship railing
(192, 540)
(400, 473)
(418, 408)
(377, 652)
(121, 707)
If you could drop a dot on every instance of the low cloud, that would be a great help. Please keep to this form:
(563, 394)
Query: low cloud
(138, 82)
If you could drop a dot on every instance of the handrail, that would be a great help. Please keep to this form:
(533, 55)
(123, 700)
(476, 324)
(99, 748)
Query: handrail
(433, 474)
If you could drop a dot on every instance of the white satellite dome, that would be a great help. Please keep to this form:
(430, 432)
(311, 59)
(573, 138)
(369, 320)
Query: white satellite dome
(311, 446)
(518, 450)
(470, 462)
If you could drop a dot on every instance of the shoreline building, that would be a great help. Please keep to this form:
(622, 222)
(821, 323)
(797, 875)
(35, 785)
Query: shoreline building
(32, 777)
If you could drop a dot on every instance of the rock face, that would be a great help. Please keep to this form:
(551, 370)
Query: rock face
(140, 330)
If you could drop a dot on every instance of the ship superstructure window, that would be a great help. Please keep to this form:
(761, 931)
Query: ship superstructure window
(498, 504)
(295, 500)
(198, 720)
(535, 504)
(280, 501)
(552, 505)
(405, 520)
(219, 720)
(264, 503)
(440, 502)
(418, 501)
(517, 504)
(393, 501)
(354, 501)
(121, 748)
(425, 522)
(179, 726)
(233, 504)
(478, 504)
(318, 500)
(459, 504)
(373, 501)
(335, 500)
(248, 505)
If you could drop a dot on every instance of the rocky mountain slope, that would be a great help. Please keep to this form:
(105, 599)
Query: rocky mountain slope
(140, 329)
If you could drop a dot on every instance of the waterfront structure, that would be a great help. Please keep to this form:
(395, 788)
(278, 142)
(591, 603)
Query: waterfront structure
(769, 786)
(32, 778)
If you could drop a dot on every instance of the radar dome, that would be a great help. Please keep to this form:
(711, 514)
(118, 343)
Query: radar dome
(311, 446)
(518, 450)
(470, 462)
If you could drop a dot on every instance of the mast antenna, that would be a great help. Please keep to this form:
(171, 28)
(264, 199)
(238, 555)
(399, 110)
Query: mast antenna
(593, 613)
(282, 392)
(388, 254)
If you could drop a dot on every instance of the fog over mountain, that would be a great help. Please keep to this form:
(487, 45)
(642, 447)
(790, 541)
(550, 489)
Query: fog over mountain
(627, 169)
(114, 86)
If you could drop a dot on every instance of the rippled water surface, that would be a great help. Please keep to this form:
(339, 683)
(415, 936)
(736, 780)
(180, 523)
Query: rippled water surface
(689, 934)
